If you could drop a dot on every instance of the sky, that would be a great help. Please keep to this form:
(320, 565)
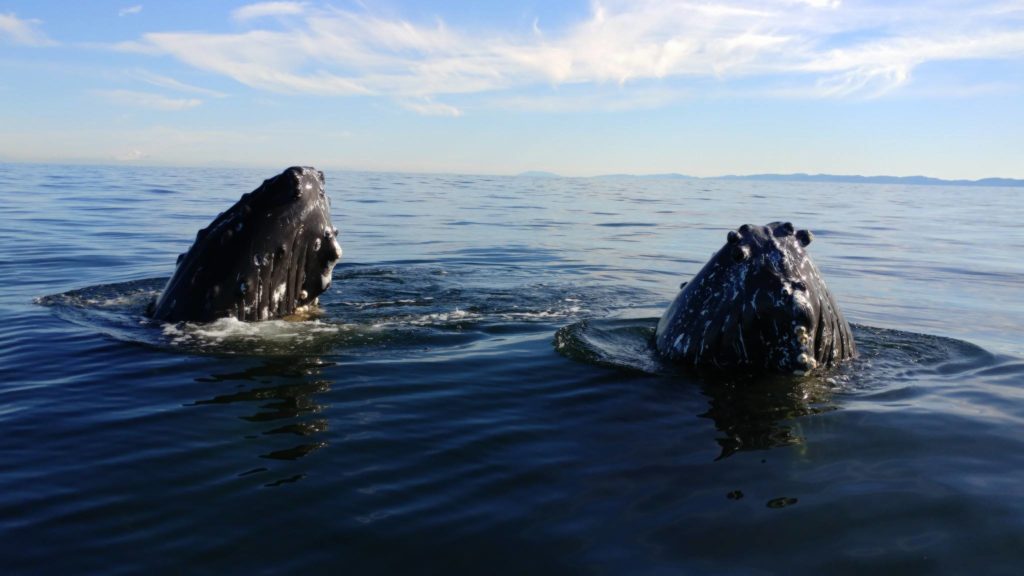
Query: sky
(578, 88)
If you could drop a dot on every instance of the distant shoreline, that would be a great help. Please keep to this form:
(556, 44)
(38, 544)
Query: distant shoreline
(800, 177)
(796, 177)
(853, 179)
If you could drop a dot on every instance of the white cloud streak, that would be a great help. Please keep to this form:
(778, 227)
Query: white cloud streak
(129, 10)
(612, 99)
(822, 48)
(428, 107)
(132, 155)
(265, 9)
(172, 84)
(23, 32)
(134, 99)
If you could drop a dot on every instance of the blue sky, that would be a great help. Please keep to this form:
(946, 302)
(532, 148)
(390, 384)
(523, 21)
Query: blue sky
(579, 88)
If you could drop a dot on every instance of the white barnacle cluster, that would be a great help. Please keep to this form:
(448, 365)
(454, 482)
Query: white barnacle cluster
(806, 357)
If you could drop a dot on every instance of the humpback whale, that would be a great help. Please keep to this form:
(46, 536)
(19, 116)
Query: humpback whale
(269, 255)
(760, 303)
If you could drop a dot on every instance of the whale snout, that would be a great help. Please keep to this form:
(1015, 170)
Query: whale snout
(785, 323)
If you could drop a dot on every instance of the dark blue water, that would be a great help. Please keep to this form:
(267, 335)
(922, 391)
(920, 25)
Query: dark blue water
(478, 395)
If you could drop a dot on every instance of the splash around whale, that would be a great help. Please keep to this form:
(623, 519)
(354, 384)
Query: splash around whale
(270, 255)
(759, 303)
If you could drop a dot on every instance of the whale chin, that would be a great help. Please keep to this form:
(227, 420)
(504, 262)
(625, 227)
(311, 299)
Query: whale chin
(270, 254)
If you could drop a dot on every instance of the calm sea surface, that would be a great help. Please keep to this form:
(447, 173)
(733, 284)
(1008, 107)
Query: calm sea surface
(478, 395)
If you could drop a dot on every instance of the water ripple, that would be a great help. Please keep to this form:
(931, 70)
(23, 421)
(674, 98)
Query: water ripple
(469, 403)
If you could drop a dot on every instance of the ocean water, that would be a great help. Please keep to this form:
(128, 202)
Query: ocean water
(478, 394)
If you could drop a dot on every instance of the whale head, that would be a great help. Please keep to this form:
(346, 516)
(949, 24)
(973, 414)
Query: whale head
(760, 302)
(272, 253)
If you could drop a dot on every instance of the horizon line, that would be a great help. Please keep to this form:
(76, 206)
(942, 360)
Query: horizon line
(113, 163)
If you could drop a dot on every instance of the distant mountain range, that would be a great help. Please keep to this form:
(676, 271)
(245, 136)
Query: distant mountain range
(833, 178)
(877, 179)
(537, 174)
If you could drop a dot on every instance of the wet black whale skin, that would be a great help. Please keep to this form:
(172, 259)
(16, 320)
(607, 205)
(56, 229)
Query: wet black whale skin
(760, 302)
(268, 255)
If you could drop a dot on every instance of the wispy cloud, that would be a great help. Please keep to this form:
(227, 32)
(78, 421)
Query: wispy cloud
(819, 3)
(428, 107)
(132, 155)
(820, 48)
(129, 10)
(132, 98)
(607, 99)
(172, 84)
(878, 67)
(264, 9)
(23, 32)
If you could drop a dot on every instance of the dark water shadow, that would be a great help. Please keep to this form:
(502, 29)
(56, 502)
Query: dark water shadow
(760, 413)
(756, 411)
(283, 399)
